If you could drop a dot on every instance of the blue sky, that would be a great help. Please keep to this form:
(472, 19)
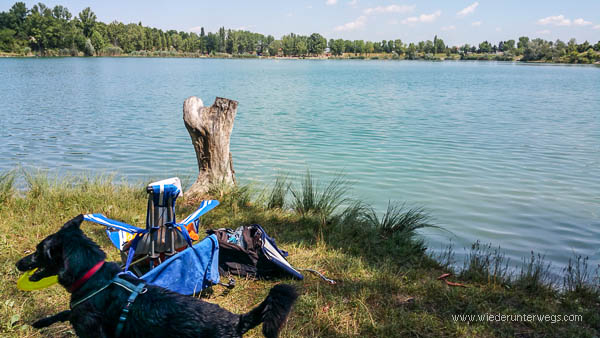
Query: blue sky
(456, 21)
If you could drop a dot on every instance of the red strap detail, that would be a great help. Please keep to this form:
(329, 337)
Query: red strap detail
(78, 283)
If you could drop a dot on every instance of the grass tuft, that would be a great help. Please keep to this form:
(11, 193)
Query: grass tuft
(311, 199)
(535, 275)
(485, 264)
(396, 219)
(234, 196)
(577, 276)
(446, 257)
(7, 186)
(278, 193)
(38, 182)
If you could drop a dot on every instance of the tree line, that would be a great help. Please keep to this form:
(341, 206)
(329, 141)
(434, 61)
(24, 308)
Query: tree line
(56, 31)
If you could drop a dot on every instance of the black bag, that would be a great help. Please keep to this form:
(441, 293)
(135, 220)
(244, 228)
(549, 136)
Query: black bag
(248, 251)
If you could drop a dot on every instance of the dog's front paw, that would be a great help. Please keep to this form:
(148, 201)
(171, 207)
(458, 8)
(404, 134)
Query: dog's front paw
(45, 322)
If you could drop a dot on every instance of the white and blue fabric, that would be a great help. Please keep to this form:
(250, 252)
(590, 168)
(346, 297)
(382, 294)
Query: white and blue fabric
(190, 271)
(162, 235)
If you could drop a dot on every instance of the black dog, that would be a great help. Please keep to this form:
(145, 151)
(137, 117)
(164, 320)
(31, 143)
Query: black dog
(157, 312)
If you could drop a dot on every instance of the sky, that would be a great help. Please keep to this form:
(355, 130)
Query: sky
(456, 21)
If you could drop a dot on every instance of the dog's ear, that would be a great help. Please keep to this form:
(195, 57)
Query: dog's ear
(74, 223)
(51, 247)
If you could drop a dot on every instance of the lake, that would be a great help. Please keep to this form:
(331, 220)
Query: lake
(503, 153)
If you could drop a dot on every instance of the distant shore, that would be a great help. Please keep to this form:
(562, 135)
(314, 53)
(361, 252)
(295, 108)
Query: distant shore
(345, 56)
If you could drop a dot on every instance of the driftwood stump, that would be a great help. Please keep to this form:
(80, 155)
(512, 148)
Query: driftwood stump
(210, 129)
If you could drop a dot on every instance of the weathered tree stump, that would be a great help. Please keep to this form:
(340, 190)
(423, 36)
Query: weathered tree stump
(210, 129)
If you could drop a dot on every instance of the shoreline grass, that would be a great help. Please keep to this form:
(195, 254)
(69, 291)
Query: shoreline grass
(347, 56)
(387, 284)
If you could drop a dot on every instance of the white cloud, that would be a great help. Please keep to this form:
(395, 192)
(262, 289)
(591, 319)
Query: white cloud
(581, 22)
(309, 6)
(353, 3)
(449, 28)
(498, 29)
(350, 26)
(195, 29)
(390, 9)
(543, 32)
(596, 27)
(476, 24)
(422, 18)
(331, 2)
(468, 10)
(561, 20)
(429, 17)
(557, 20)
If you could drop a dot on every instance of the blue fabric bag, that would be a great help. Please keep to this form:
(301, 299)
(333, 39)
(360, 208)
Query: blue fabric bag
(189, 271)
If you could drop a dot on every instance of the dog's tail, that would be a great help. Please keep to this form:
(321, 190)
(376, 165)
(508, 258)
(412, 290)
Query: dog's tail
(272, 312)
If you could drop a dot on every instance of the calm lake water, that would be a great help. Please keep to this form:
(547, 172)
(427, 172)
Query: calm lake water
(498, 152)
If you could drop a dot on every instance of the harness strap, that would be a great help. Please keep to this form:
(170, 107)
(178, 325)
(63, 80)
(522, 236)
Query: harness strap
(135, 291)
(90, 296)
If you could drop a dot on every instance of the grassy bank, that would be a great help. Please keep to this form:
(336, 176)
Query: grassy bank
(578, 58)
(387, 284)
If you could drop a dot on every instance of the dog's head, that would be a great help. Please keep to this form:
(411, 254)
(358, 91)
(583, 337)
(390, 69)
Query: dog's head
(65, 253)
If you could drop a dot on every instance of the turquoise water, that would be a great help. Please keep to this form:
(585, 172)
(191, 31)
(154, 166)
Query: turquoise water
(498, 152)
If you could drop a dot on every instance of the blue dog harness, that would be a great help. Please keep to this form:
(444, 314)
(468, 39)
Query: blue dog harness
(135, 290)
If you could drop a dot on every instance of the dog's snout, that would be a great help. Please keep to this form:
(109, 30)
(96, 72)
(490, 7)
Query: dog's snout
(26, 263)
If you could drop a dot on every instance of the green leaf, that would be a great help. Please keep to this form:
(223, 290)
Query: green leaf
(14, 319)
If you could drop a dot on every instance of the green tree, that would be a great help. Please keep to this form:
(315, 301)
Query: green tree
(359, 46)
(212, 43)
(508, 46)
(221, 40)
(583, 47)
(385, 47)
(369, 48)
(289, 44)
(572, 45)
(88, 21)
(97, 40)
(428, 48)
(377, 47)
(485, 47)
(301, 47)
(337, 47)
(7, 40)
(17, 16)
(440, 46)
(537, 49)
(89, 49)
(316, 44)
(591, 55)
(275, 47)
(411, 51)
(559, 50)
(348, 46)
(522, 44)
